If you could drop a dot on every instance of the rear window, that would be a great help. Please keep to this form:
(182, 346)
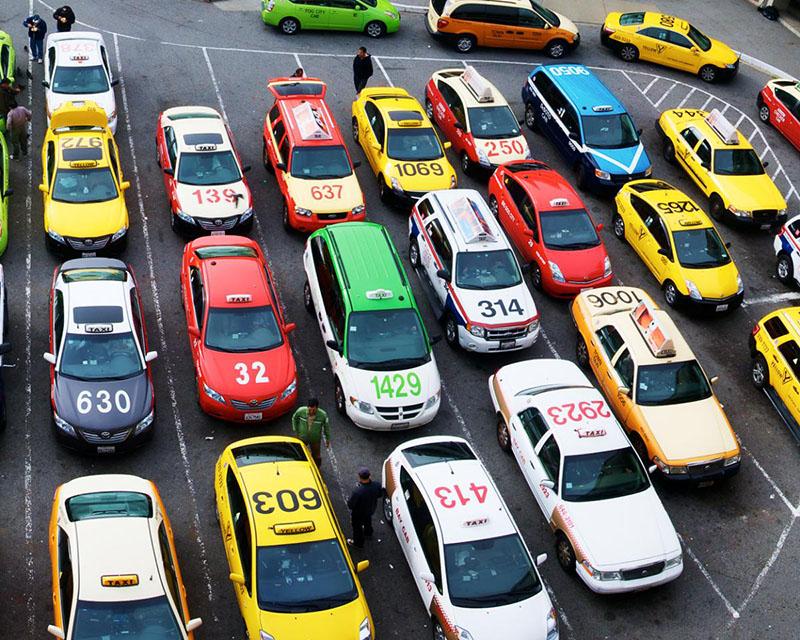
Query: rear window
(96, 315)
(76, 155)
(192, 139)
(525, 166)
(775, 328)
(299, 88)
(434, 452)
(225, 252)
(109, 504)
(82, 275)
(654, 185)
(268, 452)
(397, 116)
(631, 18)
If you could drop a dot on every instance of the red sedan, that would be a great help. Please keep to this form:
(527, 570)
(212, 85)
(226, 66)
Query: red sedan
(548, 223)
(779, 105)
(243, 361)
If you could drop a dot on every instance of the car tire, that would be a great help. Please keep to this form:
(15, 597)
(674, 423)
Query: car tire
(536, 276)
(530, 117)
(494, 206)
(759, 372)
(429, 109)
(338, 396)
(413, 252)
(375, 29)
(265, 159)
(556, 49)
(581, 179)
(465, 43)
(708, 73)
(783, 269)
(289, 26)
(503, 437)
(629, 53)
(308, 300)
(716, 208)
(565, 554)
(355, 129)
(618, 226)
(451, 330)
(671, 294)
(466, 164)
(437, 630)
(668, 150)
(388, 516)
(285, 217)
(763, 111)
(581, 352)
(383, 190)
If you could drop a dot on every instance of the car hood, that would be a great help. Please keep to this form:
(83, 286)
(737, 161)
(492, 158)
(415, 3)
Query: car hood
(66, 392)
(690, 430)
(503, 150)
(87, 220)
(624, 161)
(718, 282)
(526, 620)
(566, 24)
(751, 193)
(359, 382)
(417, 181)
(207, 209)
(106, 100)
(624, 532)
(346, 190)
(580, 265)
(471, 297)
(721, 52)
(220, 371)
(340, 622)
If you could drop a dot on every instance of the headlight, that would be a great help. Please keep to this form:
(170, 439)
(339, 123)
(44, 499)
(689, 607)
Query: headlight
(670, 470)
(674, 562)
(603, 576)
(185, 217)
(248, 213)
(358, 210)
(533, 326)
(431, 402)
(733, 460)
(606, 267)
(270, 7)
(463, 634)
(365, 629)
(739, 284)
(453, 182)
(694, 292)
(552, 624)
(396, 184)
(739, 213)
(475, 330)
(65, 426)
(56, 236)
(265, 636)
(303, 212)
(556, 272)
(363, 407)
(648, 172)
(730, 66)
(483, 158)
(289, 390)
(390, 15)
(603, 175)
(119, 234)
(782, 212)
(143, 424)
(213, 394)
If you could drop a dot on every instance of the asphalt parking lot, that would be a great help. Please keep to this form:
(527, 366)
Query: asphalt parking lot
(741, 545)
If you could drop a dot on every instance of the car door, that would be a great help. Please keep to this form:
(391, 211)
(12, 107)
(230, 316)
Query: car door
(654, 44)
(607, 345)
(531, 30)
(661, 254)
(787, 386)
(685, 145)
(623, 378)
(640, 235)
(57, 330)
(547, 465)
(682, 53)
(322, 292)
(238, 539)
(344, 14)
(452, 118)
(500, 26)
(169, 163)
(196, 309)
(63, 596)
(372, 131)
(49, 70)
(435, 257)
(509, 212)
(525, 430)
(313, 14)
(786, 115)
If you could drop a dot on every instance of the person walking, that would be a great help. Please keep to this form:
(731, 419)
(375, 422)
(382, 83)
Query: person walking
(64, 17)
(309, 424)
(37, 30)
(362, 504)
(362, 69)
(17, 125)
(8, 99)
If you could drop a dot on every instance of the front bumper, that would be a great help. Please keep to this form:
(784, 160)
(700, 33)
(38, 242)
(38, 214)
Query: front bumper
(86, 247)
(242, 412)
(625, 586)
(714, 305)
(388, 419)
(764, 219)
(101, 444)
(471, 342)
(703, 473)
(570, 289)
(406, 198)
(309, 224)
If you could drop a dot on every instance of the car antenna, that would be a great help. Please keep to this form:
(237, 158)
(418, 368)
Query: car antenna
(449, 466)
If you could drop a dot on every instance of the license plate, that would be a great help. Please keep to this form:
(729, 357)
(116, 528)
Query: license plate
(89, 254)
(722, 307)
(508, 344)
(253, 416)
(765, 226)
(400, 425)
(705, 483)
(106, 449)
(217, 233)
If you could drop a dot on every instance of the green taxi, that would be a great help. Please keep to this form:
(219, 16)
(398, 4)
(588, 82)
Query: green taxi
(5, 193)
(372, 17)
(8, 59)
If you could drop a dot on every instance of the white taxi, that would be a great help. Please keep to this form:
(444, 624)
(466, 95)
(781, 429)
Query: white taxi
(610, 525)
(76, 68)
(457, 247)
(469, 563)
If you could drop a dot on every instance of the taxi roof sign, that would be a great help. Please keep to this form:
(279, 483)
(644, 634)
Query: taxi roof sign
(127, 580)
(690, 222)
(205, 147)
(310, 123)
(80, 164)
(660, 344)
(559, 202)
(239, 297)
(722, 127)
(602, 108)
(470, 221)
(477, 85)
(379, 294)
(99, 328)
(293, 528)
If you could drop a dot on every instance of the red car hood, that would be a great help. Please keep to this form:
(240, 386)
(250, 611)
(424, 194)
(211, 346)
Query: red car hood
(220, 370)
(580, 265)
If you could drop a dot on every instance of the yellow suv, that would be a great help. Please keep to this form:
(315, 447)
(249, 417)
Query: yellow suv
(288, 558)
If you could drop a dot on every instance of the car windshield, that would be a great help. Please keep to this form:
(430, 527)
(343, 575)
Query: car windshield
(84, 185)
(490, 573)
(487, 270)
(307, 576)
(208, 168)
(100, 356)
(413, 144)
(568, 230)
(671, 383)
(150, 619)
(737, 162)
(386, 340)
(699, 38)
(548, 15)
(603, 475)
(75, 80)
(492, 122)
(609, 131)
(318, 163)
(242, 329)
(700, 248)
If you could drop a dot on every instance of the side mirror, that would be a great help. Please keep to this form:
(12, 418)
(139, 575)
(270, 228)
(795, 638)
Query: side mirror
(727, 245)
(150, 356)
(548, 483)
(246, 168)
(639, 131)
(714, 379)
(289, 327)
(527, 232)
(356, 164)
(458, 125)
(427, 576)
(436, 338)
(194, 332)
(115, 82)
(193, 624)
(49, 357)
(5, 347)
(236, 578)
(169, 171)
(8, 192)
(444, 274)
(43, 188)
(447, 145)
(665, 252)
(53, 630)
(541, 559)
(281, 166)
(652, 469)
(625, 391)
(125, 185)
(45, 84)
(765, 164)
(599, 227)
(332, 344)
(362, 566)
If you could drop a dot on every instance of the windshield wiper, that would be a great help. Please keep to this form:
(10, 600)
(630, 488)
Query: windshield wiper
(576, 245)
(325, 176)
(400, 362)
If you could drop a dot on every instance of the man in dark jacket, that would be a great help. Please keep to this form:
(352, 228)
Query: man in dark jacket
(362, 504)
(64, 17)
(362, 69)
(37, 30)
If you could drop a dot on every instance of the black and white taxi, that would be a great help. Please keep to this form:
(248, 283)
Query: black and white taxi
(457, 247)
(101, 386)
(471, 567)
(590, 484)
(76, 68)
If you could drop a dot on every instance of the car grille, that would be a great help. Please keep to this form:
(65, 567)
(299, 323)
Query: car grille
(407, 412)
(643, 572)
(765, 215)
(88, 244)
(243, 405)
(217, 224)
(617, 178)
(341, 215)
(706, 467)
(585, 281)
(510, 333)
(92, 437)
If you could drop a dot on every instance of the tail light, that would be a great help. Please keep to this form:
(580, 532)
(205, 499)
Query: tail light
(607, 31)
(441, 23)
(756, 329)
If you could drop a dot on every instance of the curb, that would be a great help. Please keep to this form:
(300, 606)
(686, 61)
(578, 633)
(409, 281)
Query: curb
(764, 67)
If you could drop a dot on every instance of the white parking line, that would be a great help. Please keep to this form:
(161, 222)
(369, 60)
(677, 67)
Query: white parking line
(739, 121)
(165, 356)
(664, 95)
(297, 60)
(383, 71)
(731, 610)
(686, 98)
(772, 298)
(647, 88)
(549, 343)
(707, 102)
(771, 482)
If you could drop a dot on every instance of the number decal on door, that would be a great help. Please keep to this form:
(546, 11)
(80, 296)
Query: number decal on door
(258, 368)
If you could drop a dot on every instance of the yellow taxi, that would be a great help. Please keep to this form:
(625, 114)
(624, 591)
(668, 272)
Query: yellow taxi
(113, 563)
(82, 184)
(679, 244)
(668, 41)
(654, 384)
(775, 349)
(287, 556)
(401, 146)
(723, 163)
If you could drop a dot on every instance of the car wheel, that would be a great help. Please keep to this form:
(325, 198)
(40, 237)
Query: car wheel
(387, 510)
(530, 117)
(717, 208)
(466, 164)
(413, 252)
(640, 447)
(355, 129)
(629, 53)
(494, 206)
(289, 26)
(308, 301)
(668, 151)
(536, 276)
(375, 29)
(503, 437)
(451, 330)
(783, 269)
(763, 111)
(580, 177)
(671, 294)
(465, 44)
(265, 159)
(429, 109)
(618, 224)
(759, 372)
(383, 190)
(438, 632)
(338, 395)
(708, 73)
(556, 49)
(285, 217)
(581, 352)
(564, 553)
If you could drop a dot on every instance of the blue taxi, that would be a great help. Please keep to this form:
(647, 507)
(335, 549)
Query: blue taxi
(570, 105)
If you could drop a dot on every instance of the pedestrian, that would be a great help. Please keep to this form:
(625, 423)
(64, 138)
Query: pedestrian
(362, 504)
(299, 73)
(8, 96)
(64, 17)
(17, 125)
(362, 69)
(37, 30)
(309, 423)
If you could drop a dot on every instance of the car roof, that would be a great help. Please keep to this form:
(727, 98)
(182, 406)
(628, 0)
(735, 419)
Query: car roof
(791, 320)
(657, 192)
(393, 102)
(76, 48)
(697, 119)
(197, 129)
(655, 19)
(72, 156)
(459, 79)
(235, 281)
(548, 189)
(787, 84)
(583, 88)
(467, 220)
(309, 121)
(507, 3)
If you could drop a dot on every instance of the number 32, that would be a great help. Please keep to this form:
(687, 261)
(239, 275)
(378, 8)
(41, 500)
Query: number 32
(244, 375)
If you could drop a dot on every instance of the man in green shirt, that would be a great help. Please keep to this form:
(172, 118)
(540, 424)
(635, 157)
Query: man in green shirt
(309, 423)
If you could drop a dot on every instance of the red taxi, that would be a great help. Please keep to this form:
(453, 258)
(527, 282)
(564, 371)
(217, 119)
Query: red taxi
(243, 361)
(549, 225)
(779, 105)
(304, 147)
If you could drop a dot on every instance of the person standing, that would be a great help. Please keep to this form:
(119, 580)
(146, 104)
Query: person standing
(37, 30)
(299, 73)
(362, 504)
(64, 17)
(17, 125)
(362, 69)
(309, 424)
(8, 99)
